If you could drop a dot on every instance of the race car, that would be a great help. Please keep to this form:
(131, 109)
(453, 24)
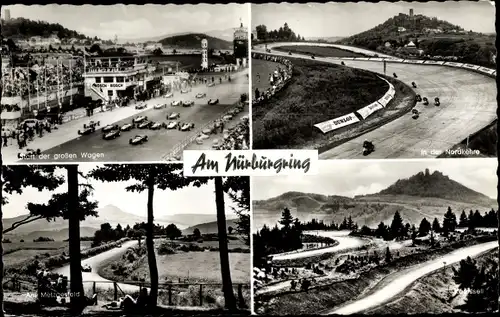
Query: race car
(86, 130)
(172, 125)
(211, 84)
(139, 119)
(141, 106)
(289, 53)
(111, 135)
(213, 101)
(415, 115)
(176, 103)
(160, 106)
(368, 147)
(188, 103)
(169, 95)
(92, 124)
(86, 268)
(184, 91)
(156, 125)
(144, 124)
(173, 115)
(342, 63)
(312, 56)
(419, 98)
(414, 111)
(138, 139)
(187, 126)
(201, 95)
(413, 84)
(394, 74)
(436, 101)
(110, 127)
(426, 101)
(127, 127)
(30, 153)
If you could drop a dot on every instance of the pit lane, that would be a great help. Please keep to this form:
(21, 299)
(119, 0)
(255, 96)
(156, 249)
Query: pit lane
(160, 141)
(468, 103)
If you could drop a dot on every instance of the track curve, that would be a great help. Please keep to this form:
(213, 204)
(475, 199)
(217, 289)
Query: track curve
(468, 104)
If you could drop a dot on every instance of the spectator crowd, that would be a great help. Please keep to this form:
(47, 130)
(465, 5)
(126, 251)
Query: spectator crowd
(279, 78)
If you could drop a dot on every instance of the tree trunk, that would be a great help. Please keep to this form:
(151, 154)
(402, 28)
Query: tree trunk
(227, 284)
(75, 264)
(153, 269)
(2, 312)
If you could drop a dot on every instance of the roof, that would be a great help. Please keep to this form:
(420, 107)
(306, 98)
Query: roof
(411, 43)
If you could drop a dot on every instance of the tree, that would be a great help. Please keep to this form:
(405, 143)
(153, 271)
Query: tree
(157, 51)
(449, 221)
(196, 233)
(230, 230)
(350, 223)
(413, 234)
(286, 219)
(388, 255)
(436, 227)
(148, 177)
(424, 228)
(238, 190)
(465, 274)
(463, 223)
(173, 232)
(227, 285)
(261, 32)
(381, 230)
(397, 225)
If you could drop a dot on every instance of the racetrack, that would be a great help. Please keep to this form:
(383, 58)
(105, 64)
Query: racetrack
(160, 141)
(344, 242)
(405, 278)
(468, 103)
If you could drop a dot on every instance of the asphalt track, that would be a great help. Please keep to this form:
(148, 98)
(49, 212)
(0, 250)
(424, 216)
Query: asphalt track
(468, 104)
(407, 277)
(344, 242)
(160, 141)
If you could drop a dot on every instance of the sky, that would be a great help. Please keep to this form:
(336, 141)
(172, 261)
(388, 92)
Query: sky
(359, 177)
(190, 200)
(346, 19)
(136, 21)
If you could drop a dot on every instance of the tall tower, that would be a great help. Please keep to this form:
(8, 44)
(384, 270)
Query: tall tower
(411, 13)
(204, 53)
(240, 42)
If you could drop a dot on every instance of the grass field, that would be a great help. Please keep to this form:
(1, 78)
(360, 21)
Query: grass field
(215, 244)
(261, 71)
(18, 253)
(318, 92)
(319, 51)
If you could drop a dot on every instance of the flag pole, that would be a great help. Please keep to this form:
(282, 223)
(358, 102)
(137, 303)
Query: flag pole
(70, 82)
(45, 81)
(29, 88)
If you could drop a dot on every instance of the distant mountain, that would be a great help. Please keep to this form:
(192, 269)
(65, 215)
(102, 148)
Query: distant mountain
(25, 28)
(57, 235)
(423, 195)
(193, 41)
(323, 38)
(435, 185)
(210, 227)
(226, 35)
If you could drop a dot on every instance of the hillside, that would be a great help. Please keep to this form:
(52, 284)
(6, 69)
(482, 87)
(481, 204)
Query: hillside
(109, 213)
(435, 185)
(451, 41)
(423, 195)
(193, 41)
(57, 235)
(209, 227)
(25, 28)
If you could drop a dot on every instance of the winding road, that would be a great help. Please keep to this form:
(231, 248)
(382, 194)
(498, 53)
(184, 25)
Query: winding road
(344, 242)
(468, 104)
(405, 278)
(95, 262)
(160, 142)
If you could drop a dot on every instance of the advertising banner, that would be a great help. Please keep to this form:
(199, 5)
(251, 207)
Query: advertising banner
(415, 61)
(470, 66)
(347, 58)
(453, 64)
(362, 58)
(337, 123)
(486, 70)
(429, 62)
(385, 99)
(392, 91)
(376, 59)
(397, 60)
(370, 109)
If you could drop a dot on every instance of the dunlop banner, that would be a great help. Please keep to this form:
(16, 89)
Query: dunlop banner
(470, 66)
(385, 99)
(453, 64)
(337, 123)
(486, 70)
(370, 109)
(429, 62)
(376, 59)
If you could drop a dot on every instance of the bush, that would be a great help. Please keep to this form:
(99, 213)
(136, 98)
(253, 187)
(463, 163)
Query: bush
(42, 239)
(165, 249)
(6, 241)
(21, 240)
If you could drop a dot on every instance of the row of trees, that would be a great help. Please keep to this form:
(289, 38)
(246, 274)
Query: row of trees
(399, 230)
(284, 33)
(346, 224)
(74, 205)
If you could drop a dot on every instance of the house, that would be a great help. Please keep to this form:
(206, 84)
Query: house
(153, 46)
(411, 45)
(401, 29)
(54, 39)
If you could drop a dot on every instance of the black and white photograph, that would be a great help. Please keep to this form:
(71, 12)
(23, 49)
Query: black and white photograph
(123, 240)
(377, 237)
(375, 80)
(126, 83)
